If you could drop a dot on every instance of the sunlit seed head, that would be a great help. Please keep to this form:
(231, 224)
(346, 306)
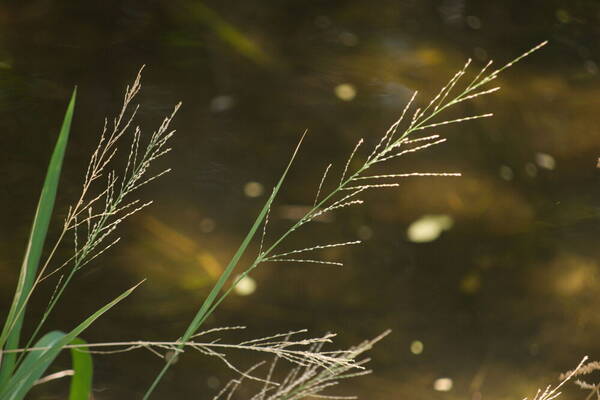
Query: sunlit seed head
(416, 347)
(545, 161)
(246, 286)
(442, 384)
(345, 91)
(506, 173)
(253, 189)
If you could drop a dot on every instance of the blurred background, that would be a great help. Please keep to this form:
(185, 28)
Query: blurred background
(489, 281)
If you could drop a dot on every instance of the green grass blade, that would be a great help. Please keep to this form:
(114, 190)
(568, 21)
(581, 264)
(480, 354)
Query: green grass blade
(33, 366)
(26, 375)
(194, 325)
(81, 383)
(205, 308)
(9, 338)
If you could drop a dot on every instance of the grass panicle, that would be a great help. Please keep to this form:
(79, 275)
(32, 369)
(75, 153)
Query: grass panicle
(98, 212)
(92, 221)
(309, 380)
(108, 198)
(390, 146)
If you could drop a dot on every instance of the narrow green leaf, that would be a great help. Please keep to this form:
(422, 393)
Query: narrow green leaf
(27, 374)
(81, 383)
(9, 338)
(195, 324)
(205, 308)
(33, 366)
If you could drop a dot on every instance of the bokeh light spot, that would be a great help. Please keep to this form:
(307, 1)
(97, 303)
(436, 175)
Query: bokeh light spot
(428, 228)
(506, 173)
(246, 286)
(416, 347)
(345, 91)
(442, 384)
(253, 189)
(545, 161)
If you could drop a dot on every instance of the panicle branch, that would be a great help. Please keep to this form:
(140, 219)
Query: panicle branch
(302, 352)
(389, 147)
(312, 379)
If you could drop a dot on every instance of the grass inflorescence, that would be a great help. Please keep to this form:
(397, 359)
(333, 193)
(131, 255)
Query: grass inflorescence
(92, 221)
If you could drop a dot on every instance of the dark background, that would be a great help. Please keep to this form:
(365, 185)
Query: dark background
(503, 301)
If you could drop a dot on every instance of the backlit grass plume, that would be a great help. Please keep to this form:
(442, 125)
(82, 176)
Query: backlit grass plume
(99, 210)
(108, 198)
(412, 132)
(105, 201)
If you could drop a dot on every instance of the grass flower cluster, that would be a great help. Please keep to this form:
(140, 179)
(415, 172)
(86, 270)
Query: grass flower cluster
(92, 221)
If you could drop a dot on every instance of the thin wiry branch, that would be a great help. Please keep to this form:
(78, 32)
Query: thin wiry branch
(302, 352)
(264, 231)
(338, 206)
(232, 385)
(321, 184)
(373, 186)
(550, 392)
(585, 369)
(409, 174)
(350, 159)
(343, 202)
(313, 248)
(304, 260)
(454, 121)
(313, 379)
(476, 79)
(482, 93)
(394, 128)
(448, 88)
(412, 150)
